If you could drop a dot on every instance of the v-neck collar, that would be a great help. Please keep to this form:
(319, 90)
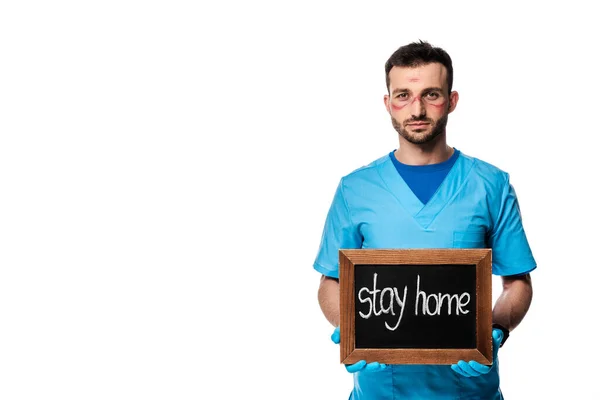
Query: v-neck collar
(424, 214)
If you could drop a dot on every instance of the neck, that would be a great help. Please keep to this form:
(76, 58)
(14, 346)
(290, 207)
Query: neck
(433, 152)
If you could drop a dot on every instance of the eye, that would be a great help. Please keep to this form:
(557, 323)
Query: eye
(432, 95)
(402, 96)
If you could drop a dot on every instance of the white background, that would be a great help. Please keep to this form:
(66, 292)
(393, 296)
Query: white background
(166, 169)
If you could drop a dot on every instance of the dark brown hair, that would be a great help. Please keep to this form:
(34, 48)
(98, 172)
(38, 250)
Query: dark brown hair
(417, 54)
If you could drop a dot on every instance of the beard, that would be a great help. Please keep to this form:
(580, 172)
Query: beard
(421, 137)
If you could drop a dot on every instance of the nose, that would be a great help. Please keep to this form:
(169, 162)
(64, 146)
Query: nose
(416, 107)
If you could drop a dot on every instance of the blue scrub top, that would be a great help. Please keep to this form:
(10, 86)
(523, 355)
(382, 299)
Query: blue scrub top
(474, 207)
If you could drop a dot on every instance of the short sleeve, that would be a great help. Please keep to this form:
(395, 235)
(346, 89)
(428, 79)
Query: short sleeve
(339, 233)
(511, 254)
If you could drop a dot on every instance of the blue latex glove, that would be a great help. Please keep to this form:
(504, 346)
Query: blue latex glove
(362, 364)
(473, 368)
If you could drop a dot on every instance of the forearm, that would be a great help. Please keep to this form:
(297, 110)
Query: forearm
(329, 299)
(514, 302)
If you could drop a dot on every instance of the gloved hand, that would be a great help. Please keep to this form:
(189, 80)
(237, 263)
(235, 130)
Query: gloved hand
(473, 368)
(362, 364)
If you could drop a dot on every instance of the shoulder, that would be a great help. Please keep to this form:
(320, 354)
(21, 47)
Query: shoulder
(366, 173)
(487, 172)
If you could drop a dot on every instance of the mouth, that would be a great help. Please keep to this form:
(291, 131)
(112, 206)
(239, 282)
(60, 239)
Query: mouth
(418, 124)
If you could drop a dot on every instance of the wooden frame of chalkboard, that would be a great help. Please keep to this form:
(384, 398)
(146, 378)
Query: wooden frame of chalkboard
(428, 261)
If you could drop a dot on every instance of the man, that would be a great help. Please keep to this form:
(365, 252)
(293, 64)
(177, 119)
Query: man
(426, 194)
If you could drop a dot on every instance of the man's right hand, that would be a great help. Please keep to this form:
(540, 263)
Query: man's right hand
(362, 364)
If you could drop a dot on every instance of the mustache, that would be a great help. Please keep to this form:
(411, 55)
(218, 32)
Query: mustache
(421, 119)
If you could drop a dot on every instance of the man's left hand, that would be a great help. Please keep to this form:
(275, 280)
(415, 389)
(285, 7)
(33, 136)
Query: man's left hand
(473, 368)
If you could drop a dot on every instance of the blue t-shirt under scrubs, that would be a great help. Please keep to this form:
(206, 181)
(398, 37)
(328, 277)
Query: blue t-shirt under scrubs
(424, 180)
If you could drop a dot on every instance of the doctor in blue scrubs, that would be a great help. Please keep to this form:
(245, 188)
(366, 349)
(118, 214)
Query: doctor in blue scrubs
(426, 194)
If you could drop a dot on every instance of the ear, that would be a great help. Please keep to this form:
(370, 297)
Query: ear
(386, 101)
(453, 101)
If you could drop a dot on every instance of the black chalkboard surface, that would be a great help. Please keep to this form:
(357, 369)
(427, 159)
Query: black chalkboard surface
(415, 306)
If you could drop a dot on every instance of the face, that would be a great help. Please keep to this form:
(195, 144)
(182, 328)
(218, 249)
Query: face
(419, 102)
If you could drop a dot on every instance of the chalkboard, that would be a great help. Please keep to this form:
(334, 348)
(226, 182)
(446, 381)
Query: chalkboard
(411, 306)
(415, 306)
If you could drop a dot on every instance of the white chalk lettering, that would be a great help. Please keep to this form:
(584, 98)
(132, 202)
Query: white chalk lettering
(460, 306)
(401, 304)
(385, 301)
(419, 293)
(365, 316)
(436, 301)
(390, 309)
(388, 299)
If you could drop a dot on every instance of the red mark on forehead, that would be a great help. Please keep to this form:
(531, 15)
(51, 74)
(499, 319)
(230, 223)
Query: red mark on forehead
(414, 79)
